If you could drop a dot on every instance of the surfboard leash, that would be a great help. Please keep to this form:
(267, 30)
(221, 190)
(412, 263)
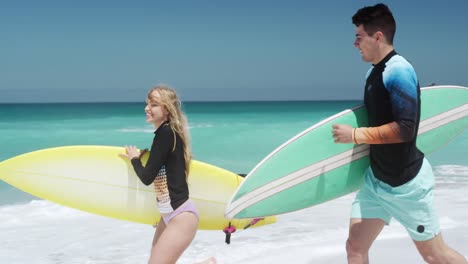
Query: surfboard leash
(231, 229)
(253, 222)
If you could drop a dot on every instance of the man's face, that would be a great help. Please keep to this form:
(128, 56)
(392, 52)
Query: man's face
(366, 44)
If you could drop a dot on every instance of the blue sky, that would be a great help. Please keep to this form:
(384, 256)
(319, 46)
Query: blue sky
(79, 51)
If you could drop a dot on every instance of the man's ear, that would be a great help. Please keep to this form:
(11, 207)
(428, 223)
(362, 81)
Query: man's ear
(379, 36)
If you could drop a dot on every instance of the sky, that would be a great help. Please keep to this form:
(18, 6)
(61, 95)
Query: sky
(243, 50)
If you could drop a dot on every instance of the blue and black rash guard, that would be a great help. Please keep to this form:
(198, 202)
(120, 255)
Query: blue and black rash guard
(166, 169)
(392, 94)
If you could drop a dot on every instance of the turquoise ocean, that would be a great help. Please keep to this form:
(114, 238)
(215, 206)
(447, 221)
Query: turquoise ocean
(232, 135)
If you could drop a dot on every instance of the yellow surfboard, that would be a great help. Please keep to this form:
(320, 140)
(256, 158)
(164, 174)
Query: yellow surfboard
(96, 179)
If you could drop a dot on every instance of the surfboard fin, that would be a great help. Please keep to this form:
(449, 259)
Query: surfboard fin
(231, 229)
(228, 231)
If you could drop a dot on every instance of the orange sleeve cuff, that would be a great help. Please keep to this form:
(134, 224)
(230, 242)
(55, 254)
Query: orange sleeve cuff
(385, 134)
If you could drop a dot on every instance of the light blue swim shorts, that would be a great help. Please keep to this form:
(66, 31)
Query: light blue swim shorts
(411, 204)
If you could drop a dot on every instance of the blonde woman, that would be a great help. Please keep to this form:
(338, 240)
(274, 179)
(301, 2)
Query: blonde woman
(168, 168)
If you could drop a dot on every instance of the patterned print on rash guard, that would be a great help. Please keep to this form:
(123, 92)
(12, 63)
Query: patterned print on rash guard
(162, 192)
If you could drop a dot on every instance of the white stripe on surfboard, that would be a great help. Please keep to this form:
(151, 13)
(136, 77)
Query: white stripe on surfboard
(297, 177)
(332, 163)
(443, 119)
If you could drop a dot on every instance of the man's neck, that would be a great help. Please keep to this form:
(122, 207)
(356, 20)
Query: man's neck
(383, 52)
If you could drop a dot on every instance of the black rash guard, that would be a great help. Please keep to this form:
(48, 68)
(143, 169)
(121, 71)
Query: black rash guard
(166, 169)
(392, 93)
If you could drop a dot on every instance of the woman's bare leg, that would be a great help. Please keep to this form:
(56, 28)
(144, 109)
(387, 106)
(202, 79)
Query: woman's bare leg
(157, 233)
(174, 239)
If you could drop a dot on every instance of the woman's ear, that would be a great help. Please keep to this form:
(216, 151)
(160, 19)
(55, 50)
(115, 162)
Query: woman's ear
(165, 112)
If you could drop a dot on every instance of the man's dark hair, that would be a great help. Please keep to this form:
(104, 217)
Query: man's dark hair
(376, 18)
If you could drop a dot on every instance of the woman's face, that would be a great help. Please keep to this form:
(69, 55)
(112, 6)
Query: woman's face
(156, 113)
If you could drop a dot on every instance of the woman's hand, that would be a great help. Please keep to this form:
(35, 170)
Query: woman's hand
(131, 152)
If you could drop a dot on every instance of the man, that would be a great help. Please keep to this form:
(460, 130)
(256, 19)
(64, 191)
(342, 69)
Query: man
(399, 180)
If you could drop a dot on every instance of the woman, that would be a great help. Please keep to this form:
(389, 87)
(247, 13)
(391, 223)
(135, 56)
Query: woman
(168, 168)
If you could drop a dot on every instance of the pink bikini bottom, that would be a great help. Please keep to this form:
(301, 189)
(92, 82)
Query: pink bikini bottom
(188, 206)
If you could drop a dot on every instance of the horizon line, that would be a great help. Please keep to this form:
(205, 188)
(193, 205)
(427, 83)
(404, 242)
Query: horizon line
(188, 101)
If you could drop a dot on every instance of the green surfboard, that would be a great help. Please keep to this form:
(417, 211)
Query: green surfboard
(310, 168)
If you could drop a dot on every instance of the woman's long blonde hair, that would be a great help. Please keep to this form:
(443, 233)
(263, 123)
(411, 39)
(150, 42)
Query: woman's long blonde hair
(176, 117)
